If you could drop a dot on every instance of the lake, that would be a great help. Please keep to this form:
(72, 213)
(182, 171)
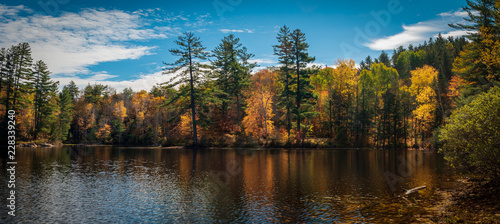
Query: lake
(152, 185)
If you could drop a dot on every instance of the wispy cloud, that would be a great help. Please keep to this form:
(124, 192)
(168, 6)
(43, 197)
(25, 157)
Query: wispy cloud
(419, 32)
(457, 13)
(262, 61)
(71, 42)
(411, 34)
(236, 31)
(143, 82)
(10, 11)
(456, 33)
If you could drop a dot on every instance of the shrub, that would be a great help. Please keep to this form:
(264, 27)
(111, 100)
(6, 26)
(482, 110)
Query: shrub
(471, 135)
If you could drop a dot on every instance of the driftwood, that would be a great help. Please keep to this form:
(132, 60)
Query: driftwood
(29, 144)
(411, 191)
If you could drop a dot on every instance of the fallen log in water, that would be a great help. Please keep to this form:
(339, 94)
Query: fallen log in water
(411, 191)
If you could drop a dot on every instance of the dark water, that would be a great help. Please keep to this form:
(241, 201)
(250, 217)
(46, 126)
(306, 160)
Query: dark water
(140, 185)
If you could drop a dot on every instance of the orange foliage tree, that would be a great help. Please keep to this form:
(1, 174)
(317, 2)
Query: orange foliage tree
(259, 119)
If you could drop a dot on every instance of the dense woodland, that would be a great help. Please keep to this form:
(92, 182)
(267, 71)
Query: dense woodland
(215, 97)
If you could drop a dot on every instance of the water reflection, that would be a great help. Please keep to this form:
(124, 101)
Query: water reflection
(106, 184)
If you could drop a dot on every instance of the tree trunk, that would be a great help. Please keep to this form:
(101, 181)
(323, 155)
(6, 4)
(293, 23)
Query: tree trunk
(193, 108)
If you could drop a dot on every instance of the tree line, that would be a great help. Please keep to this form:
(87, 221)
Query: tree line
(215, 98)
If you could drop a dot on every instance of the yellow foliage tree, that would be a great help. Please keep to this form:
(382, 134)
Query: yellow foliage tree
(490, 54)
(119, 111)
(103, 133)
(422, 83)
(186, 126)
(259, 120)
(140, 104)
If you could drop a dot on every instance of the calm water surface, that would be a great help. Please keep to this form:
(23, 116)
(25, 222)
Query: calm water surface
(132, 185)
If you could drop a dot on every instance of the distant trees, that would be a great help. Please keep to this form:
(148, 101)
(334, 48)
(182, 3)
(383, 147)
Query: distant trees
(214, 98)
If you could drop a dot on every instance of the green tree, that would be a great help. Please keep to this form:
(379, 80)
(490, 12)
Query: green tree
(366, 64)
(303, 89)
(94, 93)
(232, 74)
(66, 111)
(285, 56)
(367, 101)
(73, 90)
(471, 136)
(481, 13)
(384, 58)
(385, 85)
(17, 74)
(188, 69)
(483, 19)
(44, 101)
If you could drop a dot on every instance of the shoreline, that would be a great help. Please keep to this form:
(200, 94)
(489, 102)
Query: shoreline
(470, 200)
(48, 145)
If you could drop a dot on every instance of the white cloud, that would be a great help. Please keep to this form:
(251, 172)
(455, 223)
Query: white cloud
(262, 61)
(9, 11)
(236, 31)
(456, 33)
(419, 32)
(144, 82)
(411, 34)
(71, 42)
(458, 13)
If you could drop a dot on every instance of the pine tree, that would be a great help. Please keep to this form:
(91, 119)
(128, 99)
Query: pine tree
(17, 75)
(483, 18)
(285, 57)
(45, 94)
(188, 70)
(73, 90)
(303, 89)
(232, 75)
(16, 72)
(384, 58)
(481, 13)
(66, 111)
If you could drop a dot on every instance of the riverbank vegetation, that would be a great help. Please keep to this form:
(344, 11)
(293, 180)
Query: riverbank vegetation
(216, 98)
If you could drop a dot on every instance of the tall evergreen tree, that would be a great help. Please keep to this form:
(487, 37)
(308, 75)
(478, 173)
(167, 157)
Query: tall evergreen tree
(470, 65)
(303, 89)
(188, 69)
(45, 94)
(481, 13)
(232, 75)
(17, 76)
(285, 56)
(66, 111)
(23, 75)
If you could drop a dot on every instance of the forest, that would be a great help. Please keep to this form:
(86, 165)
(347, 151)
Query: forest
(215, 97)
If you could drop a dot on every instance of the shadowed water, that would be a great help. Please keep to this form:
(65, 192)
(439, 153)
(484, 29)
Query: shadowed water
(150, 185)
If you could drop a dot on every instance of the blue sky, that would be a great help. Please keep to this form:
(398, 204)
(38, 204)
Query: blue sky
(123, 43)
